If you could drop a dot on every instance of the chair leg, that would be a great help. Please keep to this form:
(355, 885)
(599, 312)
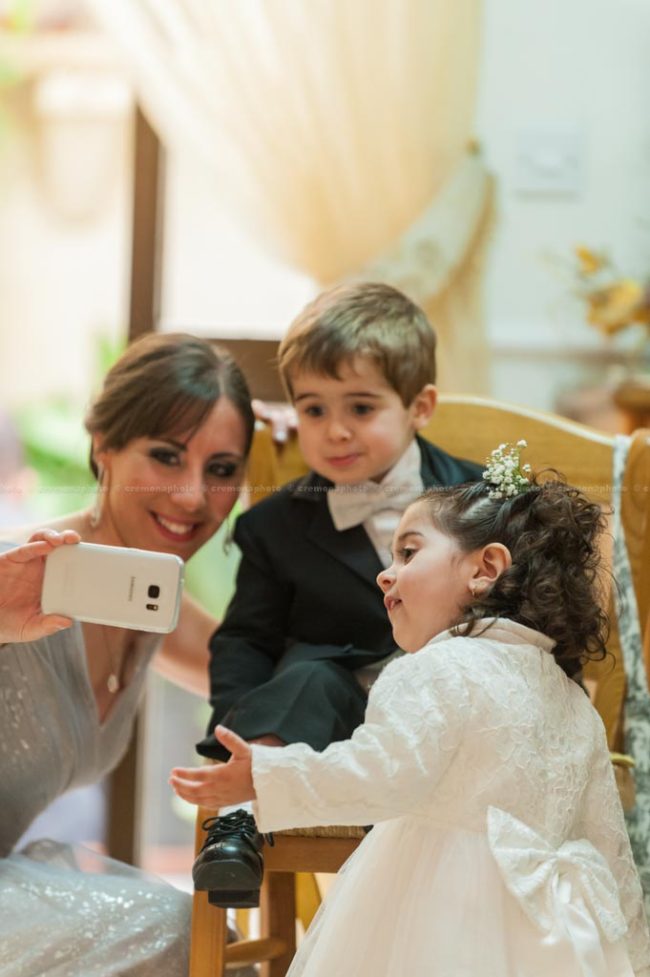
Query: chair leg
(208, 938)
(278, 917)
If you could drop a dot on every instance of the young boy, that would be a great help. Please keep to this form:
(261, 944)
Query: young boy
(306, 630)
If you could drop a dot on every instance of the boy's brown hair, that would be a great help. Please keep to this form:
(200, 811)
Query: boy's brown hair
(368, 319)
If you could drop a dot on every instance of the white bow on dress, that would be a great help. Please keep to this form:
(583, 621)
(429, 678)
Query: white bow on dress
(568, 892)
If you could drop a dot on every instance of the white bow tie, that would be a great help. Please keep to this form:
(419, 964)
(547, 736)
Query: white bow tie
(352, 505)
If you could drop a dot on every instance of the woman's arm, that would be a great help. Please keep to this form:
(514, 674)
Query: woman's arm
(183, 657)
(21, 581)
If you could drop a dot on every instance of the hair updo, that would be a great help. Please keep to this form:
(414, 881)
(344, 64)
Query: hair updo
(555, 582)
(165, 384)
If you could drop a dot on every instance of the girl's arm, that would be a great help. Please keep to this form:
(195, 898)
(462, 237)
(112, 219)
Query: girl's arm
(183, 657)
(391, 765)
(21, 581)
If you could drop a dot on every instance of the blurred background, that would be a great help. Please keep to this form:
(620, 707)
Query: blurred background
(208, 166)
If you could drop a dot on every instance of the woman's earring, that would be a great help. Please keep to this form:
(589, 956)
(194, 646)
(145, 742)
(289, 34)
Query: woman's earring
(98, 505)
(229, 537)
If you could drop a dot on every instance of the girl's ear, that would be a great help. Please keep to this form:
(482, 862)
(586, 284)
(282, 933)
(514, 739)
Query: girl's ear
(423, 406)
(493, 560)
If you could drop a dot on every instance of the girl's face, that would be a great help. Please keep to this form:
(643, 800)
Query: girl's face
(172, 493)
(428, 582)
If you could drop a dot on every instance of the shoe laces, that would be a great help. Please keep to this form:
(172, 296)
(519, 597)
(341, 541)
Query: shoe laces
(239, 822)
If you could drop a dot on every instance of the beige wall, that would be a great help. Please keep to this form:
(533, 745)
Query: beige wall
(567, 66)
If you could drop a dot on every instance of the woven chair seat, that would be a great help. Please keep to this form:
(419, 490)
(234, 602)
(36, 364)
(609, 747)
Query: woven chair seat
(331, 831)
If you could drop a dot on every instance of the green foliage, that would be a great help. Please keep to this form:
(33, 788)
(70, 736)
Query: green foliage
(21, 16)
(56, 447)
(210, 574)
(107, 352)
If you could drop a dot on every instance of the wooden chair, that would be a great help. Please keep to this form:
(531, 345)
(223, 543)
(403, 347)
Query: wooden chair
(293, 854)
(469, 427)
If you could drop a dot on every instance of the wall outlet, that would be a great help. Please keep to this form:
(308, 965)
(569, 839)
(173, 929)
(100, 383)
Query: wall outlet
(549, 162)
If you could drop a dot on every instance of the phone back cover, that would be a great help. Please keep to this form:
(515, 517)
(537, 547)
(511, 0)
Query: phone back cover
(109, 585)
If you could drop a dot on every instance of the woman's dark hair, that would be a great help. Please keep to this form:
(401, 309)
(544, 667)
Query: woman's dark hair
(554, 583)
(164, 384)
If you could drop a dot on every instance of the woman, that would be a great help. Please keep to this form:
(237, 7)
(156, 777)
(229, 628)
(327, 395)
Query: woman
(170, 433)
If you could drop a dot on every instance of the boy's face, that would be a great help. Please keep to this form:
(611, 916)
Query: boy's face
(355, 428)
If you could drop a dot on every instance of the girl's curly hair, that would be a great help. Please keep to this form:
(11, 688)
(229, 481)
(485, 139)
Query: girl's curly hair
(554, 583)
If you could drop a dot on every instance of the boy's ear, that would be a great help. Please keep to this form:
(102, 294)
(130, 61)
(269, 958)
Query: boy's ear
(493, 560)
(423, 406)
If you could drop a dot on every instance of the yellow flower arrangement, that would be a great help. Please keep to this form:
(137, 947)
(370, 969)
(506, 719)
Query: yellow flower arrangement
(613, 302)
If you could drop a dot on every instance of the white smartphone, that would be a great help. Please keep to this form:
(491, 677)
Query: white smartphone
(114, 585)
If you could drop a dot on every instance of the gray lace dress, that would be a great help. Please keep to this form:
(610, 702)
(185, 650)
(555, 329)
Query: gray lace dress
(66, 911)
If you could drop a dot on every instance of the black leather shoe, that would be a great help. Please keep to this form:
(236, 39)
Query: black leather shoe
(230, 865)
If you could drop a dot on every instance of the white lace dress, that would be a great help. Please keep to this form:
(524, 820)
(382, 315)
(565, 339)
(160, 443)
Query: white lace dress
(499, 847)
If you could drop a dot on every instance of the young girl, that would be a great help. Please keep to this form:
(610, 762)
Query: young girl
(499, 847)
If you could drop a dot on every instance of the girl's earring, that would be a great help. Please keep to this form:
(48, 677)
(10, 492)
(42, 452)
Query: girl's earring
(98, 505)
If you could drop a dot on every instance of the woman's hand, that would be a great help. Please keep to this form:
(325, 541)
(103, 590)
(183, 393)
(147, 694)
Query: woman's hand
(21, 581)
(222, 784)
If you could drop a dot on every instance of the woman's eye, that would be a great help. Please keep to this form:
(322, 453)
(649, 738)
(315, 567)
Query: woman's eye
(222, 469)
(165, 456)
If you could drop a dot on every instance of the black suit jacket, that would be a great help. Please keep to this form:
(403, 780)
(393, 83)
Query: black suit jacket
(304, 590)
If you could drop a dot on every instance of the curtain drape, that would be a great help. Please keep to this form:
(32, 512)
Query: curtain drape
(338, 131)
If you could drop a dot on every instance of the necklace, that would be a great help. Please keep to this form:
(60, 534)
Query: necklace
(116, 665)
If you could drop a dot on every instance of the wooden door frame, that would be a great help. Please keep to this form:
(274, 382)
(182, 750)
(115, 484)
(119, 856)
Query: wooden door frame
(147, 227)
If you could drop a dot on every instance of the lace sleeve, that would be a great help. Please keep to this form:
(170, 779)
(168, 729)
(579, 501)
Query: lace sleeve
(390, 766)
(603, 824)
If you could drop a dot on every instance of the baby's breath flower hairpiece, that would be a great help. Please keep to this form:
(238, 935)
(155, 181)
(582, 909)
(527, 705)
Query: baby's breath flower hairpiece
(503, 471)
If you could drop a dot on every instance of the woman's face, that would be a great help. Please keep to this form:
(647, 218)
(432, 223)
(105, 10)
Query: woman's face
(172, 493)
(428, 583)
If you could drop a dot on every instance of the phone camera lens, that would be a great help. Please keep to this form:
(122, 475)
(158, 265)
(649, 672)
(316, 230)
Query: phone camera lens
(154, 590)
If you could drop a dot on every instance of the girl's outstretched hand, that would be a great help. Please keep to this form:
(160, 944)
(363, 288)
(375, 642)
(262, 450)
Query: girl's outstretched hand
(21, 580)
(222, 784)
